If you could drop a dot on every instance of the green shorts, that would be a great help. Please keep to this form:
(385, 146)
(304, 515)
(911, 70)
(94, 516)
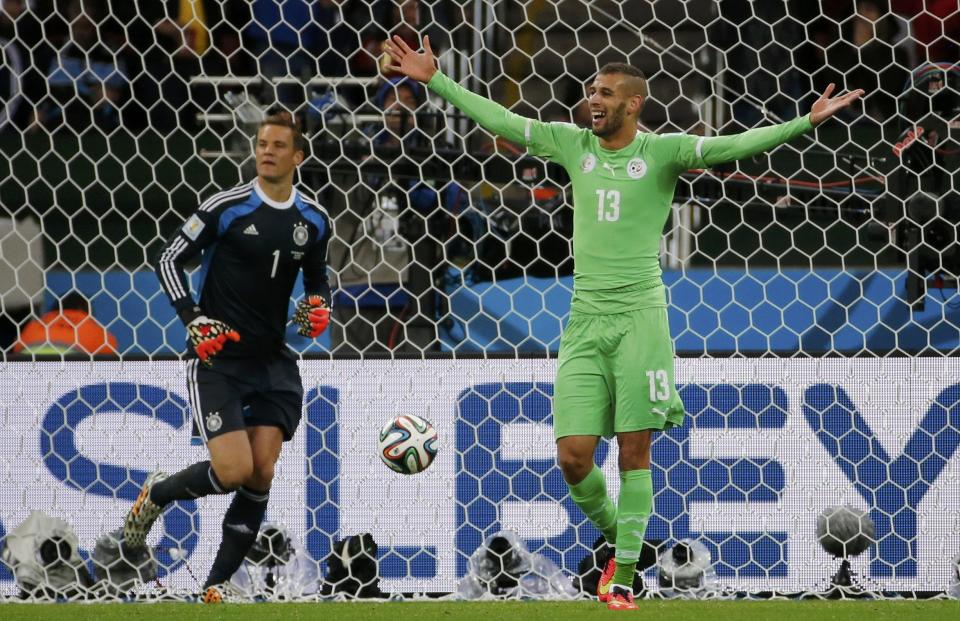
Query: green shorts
(615, 374)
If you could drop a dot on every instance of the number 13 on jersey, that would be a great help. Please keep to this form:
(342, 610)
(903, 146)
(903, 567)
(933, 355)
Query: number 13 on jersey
(608, 205)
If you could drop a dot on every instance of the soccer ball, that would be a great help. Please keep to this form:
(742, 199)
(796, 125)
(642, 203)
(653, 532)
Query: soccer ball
(845, 531)
(408, 444)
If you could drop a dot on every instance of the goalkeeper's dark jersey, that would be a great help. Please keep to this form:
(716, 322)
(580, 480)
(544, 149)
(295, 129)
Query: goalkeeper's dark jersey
(253, 248)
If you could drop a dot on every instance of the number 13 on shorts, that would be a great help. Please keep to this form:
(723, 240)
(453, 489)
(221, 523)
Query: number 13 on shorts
(659, 385)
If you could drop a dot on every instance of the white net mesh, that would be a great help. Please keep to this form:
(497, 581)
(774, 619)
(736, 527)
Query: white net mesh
(119, 118)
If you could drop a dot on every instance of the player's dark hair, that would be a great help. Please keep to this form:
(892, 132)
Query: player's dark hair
(627, 69)
(285, 119)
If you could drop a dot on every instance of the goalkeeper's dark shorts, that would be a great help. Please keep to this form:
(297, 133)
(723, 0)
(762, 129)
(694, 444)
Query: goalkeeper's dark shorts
(236, 393)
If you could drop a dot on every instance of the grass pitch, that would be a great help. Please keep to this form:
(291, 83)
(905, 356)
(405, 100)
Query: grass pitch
(492, 611)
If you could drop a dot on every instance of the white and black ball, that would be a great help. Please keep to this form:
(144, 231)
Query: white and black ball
(845, 531)
(408, 444)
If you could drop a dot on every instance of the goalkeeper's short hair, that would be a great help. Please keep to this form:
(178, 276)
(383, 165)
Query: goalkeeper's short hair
(286, 119)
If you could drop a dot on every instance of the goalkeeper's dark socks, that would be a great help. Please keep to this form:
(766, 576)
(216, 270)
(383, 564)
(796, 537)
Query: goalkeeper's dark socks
(241, 525)
(192, 482)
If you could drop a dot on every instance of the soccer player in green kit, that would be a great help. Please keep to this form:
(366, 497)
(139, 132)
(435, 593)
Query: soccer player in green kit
(615, 370)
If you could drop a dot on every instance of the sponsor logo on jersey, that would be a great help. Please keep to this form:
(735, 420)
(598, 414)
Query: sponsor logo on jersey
(636, 168)
(251, 230)
(610, 167)
(296, 255)
(193, 227)
(588, 162)
(214, 422)
(300, 234)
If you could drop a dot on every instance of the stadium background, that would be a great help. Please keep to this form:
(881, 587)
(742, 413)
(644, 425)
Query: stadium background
(118, 117)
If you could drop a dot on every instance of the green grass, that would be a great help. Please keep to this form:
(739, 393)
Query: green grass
(493, 611)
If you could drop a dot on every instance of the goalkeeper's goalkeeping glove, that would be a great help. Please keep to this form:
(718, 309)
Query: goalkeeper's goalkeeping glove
(312, 315)
(208, 337)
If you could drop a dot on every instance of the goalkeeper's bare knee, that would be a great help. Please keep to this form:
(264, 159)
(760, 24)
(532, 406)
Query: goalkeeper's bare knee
(233, 476)
(231, 458)
(233, 471)
(261, 477)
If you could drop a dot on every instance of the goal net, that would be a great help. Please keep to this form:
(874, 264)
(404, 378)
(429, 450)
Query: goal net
(811, 290)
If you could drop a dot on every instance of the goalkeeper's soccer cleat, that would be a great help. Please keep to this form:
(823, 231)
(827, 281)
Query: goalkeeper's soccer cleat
(212, 595)
(606, 579)
(621, 599)
(208, 336)
(142, 514)
(312, 315)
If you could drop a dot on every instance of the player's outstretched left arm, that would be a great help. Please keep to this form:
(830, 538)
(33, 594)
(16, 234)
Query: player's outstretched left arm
(826, 106)
(419, 66)
(490, 115)
(720, 149)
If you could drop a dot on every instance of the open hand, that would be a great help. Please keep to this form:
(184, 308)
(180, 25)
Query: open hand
(825, 107)
(403, 59)
(208, 336)
(312, 315)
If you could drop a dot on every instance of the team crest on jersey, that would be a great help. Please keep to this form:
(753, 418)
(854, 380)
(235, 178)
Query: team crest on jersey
(300, 234)
(214, 422)
(636, 168)
(588, 163)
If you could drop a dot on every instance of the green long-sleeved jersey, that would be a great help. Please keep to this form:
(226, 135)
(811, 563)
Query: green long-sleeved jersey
(622, 197)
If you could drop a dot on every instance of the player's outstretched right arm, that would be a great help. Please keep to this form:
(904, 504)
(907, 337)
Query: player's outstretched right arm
(541, 138)
(698, 151)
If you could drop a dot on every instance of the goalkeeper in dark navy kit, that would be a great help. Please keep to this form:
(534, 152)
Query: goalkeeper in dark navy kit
(243, 382)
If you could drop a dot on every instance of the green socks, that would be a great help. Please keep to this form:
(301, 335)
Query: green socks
(590, 495)
(624, 525)
(634, 508)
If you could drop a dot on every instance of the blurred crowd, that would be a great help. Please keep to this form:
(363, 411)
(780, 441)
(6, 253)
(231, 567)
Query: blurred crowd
(79, 64)
(783, 54)
(123, 63)
(130, 64)
(877, 46)
(138, 65)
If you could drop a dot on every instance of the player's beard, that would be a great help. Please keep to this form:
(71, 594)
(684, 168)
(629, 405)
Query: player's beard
(614, 122)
